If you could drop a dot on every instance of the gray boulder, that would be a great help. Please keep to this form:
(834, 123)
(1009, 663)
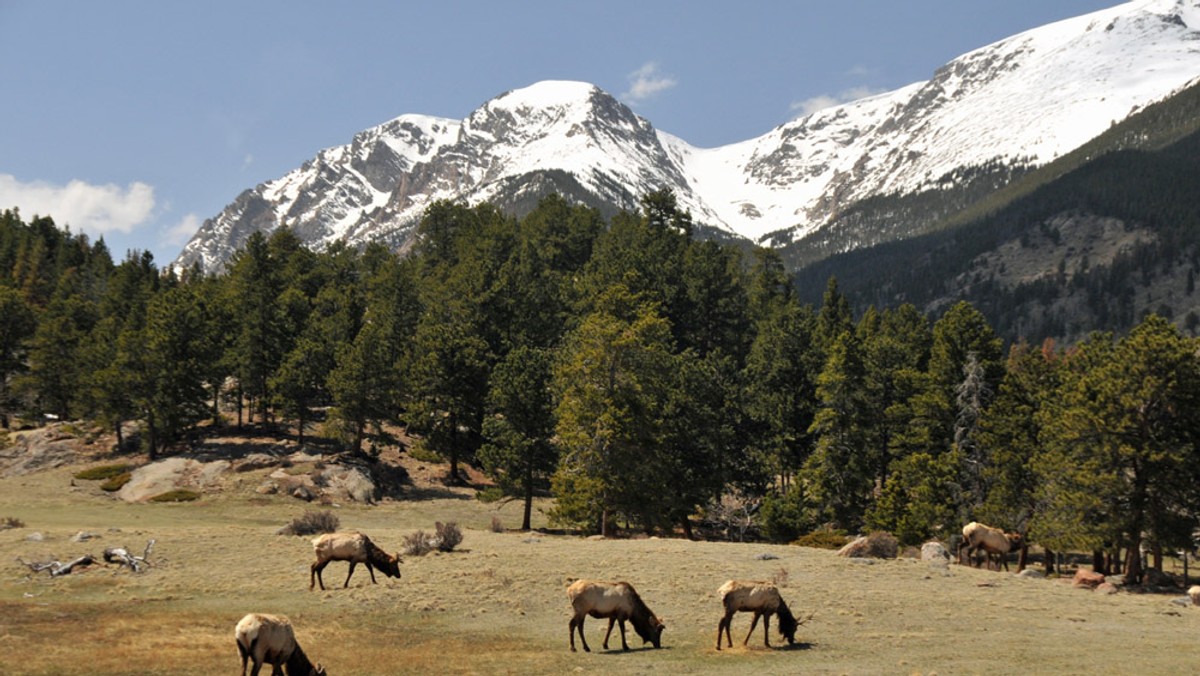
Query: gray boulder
(934, 551)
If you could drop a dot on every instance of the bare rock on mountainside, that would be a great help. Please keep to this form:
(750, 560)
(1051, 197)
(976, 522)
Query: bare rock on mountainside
(334, 482)
(874, 546)
(171, 474)
(39, 449)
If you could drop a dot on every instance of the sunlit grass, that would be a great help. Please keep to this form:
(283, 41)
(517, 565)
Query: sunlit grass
(496, 605)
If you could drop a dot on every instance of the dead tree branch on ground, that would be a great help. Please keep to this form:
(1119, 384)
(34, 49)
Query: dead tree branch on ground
(122, 556)
(58, 568)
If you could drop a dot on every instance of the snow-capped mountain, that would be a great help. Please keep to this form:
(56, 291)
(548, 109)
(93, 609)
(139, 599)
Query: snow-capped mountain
(1023, 100)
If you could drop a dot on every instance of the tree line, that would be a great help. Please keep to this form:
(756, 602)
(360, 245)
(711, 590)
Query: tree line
(641, 376)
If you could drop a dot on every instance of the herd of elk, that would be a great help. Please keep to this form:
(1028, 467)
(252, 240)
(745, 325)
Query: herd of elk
(270, 639)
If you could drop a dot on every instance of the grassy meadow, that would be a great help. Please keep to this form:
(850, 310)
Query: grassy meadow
(497, 604)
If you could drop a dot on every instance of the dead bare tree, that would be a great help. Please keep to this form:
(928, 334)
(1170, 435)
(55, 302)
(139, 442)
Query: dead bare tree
(58, 568)
(122, 556)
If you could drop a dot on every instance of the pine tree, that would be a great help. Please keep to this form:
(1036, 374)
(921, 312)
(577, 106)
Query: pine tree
(519, 452)
(780, 377)
(613, 383)
(18, 326)
(840, 474)
(1009, 438)
(448, 368)
(1122, 434)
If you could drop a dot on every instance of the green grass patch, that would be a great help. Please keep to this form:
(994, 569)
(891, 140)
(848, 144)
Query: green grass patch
(822, 539)
(297, 470)
(177, 495)
(114, 483)
(101, 472)
(489, 495)
(418, 451)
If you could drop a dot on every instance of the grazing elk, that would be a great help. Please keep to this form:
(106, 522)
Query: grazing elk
(269, 639)
(618, 601)
(355, 548)
(760, 598)
(993, 541)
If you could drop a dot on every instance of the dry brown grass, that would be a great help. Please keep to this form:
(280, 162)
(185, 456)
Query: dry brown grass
(497, 604)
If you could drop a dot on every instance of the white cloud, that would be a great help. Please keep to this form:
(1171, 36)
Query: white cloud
(812, 105)
(87, 208)
(646, 82)
(181, 232)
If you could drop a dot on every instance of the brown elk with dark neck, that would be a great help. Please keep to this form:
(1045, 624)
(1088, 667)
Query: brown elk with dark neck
(617, 601)
(355, 548)
(760, 598)
(994, 542)
(269, 639)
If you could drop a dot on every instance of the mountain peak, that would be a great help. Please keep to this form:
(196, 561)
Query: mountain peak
(546, 94)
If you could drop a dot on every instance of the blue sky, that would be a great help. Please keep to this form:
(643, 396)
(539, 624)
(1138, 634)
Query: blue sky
(138, 120)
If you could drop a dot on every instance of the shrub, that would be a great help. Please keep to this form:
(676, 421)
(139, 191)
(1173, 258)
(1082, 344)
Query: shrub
(449, 536)
(784, 517)
(177, 495)
(311, 523)
(489, 495)
(116, 482)
(420, 452)
(882, 545)
(780, 578)
(11, 522)
(418, 544)
(822, 539)
(103, 472)
(497, 527)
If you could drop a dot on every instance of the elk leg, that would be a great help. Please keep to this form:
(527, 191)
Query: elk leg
(571, 632)
(315, 571)
(621, 623)
(347, 583)
(371, 570)
(722, 626)
(611, 622)
(753, 624)
(767, 630)
(577, 622)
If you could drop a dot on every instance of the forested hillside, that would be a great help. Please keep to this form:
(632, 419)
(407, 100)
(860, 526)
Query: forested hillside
(1102, 237)
(647, 379)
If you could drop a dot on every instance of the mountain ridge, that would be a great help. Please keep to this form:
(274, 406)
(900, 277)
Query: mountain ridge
(1023, 100)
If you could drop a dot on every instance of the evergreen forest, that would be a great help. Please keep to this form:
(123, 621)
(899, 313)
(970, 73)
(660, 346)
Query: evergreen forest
(646, 379)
